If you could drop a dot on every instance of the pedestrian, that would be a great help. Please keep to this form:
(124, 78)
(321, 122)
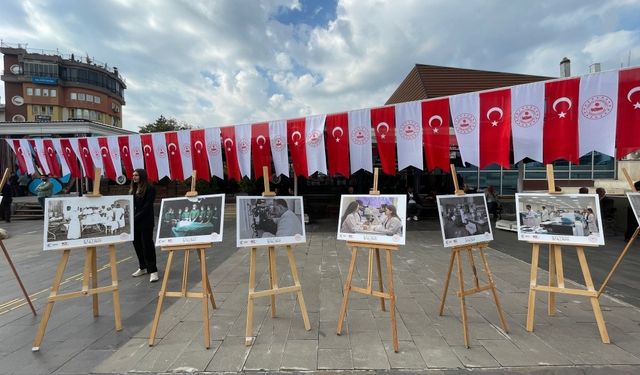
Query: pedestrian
(13, 179)
(144, 195)
(44, 190)
(492, 202)
(7, 199)
(23, 184)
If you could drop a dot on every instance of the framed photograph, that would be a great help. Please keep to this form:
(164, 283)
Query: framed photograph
(268, 221)
(71, 222)
(464, 219)
(193, 220)
(559, 218)
(373, 219)
(634, 201)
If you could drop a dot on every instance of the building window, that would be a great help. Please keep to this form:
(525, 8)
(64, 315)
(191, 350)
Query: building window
(38, 92)
(45, 92)
(96, 99)
(81, 96)
(74, 96)
(29, 91)
(89, 98)
(53, 93)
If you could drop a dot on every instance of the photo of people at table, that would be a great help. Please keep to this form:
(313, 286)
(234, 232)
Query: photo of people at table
(464, 219)
(375, 217)
(567, 216)
(269, 220)
(191, 217)
(75, 219)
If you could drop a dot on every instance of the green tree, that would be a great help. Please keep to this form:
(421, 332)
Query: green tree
(163, 124)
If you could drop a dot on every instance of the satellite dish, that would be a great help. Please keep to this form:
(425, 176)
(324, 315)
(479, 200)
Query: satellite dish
(275, 178)
(121, 180)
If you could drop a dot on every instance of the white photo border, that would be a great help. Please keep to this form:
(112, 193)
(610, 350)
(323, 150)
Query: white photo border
(241, 215)
(371, 237)
(190, 240)
(466, 240)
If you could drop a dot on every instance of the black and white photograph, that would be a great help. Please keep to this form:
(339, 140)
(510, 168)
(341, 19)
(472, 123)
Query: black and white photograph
(464, 219)
(190, 220)
(634, 201)
(268, 221)
(87, 221)
(559, 218)
(373, 219)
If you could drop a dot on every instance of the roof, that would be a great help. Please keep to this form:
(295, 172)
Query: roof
(432, 81)
(69, 128)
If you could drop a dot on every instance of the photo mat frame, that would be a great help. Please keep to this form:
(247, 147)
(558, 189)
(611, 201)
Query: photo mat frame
(72, 222)
(559, 218)
(365, 218)
(464, 219)
(191, 220)
(265, 221)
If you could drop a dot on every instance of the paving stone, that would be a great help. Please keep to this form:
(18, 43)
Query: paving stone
(334, 359)
(300, 355)
(368, 351)
(230, 356)
(475, 356)
(435, 351)
(407, 357)
(195, 356)
(267, 351)
(328, 338)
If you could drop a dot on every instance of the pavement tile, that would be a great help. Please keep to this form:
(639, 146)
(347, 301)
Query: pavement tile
(368, 351)
(300, 355)
(407, 357)
(335, 359)
(230, 356)
(475, 356)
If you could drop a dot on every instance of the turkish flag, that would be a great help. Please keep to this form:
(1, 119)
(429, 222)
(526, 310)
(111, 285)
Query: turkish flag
(38, 147)
(384, 123)
(125, 155)
(61, 159)
(296, 139)
(20, 156)
(495, 128)
(261, 149)
(70, 157)
(52, 160)
(107, 161)
(560, 133)
(199, 159)
(85, 158)
(435, 134)
(231, 154)
(149, 157)
(175, 159)
(337, 141)
(627, 133)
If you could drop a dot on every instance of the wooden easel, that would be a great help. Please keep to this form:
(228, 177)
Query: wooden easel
(273, 279)
(556, 277)
(629, 243)
(456, 255)
(374, 254)
(90, 272)
(5, 176)
(206, 295)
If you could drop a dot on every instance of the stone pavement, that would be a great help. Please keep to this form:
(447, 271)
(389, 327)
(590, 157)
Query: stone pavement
(78, 343)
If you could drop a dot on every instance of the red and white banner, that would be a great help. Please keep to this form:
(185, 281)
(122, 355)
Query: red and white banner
(199, 159)
(65, 169)
(296, 140)
(214, 151)
(383, 121)
(38, 147)
(597, 120)
(96, 158)
(114, 152)
(627, 133)
(279, 146)
(337, 129)
(22, 149)
(160, 151)
(360, 140)
(560, 135)
(409, 135)
(106, 159)
(81, 148)
(495, 128)
(186, 155)
(260, 149)
(175, 158)
(70, 156)
(231, 154)
(149, 157)
(465, 112)
(243, 147)
(527, 108)
(435, 130)
(52, 160)
(316, 154)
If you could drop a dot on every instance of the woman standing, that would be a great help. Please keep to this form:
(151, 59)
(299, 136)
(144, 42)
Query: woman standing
(144, 194)
(592, 224)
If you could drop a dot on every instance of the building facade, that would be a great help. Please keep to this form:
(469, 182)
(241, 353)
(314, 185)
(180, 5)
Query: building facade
(42, 86)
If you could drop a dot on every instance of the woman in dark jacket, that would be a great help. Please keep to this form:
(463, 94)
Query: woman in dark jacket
(144, 194)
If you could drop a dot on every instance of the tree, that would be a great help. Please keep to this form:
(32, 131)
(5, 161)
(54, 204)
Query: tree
(162, 124)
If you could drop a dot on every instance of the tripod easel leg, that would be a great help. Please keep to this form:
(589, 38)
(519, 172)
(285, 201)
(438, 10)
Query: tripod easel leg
(54, 291)
(595, 304)
(15, 272)
(463, 305)
(273, 278)
(296, 281)
(252, 287)
(446, 282)
(210, 291)
(472, 263)
(533, 280)
(94, 281)
(347, 290)
(116, 292)
(185, 273)
(205, 300)
(503, 321)
(551, 307)
(380, 285)
(163, 292)
(392, 301)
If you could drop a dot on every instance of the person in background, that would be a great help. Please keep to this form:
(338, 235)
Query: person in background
(632, 222)
(144, 194)
(7, 199)
(414, 206)
(13, 178)
(492, 202)
(44, 190)
(583, 190)
(606, 204)
(23, 184)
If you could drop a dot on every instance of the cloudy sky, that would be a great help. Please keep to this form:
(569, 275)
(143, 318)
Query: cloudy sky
(214, 63)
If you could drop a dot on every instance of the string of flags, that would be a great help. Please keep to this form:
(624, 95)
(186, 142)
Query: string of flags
(544, 121)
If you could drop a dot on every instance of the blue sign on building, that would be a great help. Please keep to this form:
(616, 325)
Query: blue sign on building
(44, 80)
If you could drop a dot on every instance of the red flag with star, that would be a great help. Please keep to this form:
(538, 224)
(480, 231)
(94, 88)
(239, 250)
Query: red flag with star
(495, 128)
(627, 133)
(296, 138)
(435, 133)
(337, 141)
(383, 121)
(175, 157)
(260, 149)
(149, 157)
(107, 161)
(228, 135)
(52, 160)
(560, 132)
(200, 161)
